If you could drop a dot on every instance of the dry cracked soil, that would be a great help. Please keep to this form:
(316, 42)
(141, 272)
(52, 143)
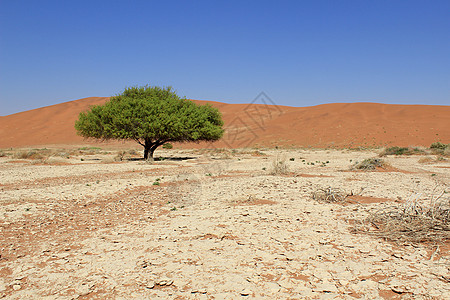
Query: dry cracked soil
(213, 225)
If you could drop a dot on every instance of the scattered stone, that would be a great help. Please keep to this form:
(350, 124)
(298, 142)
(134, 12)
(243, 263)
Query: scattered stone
(164, 282)
(150, 284)
(326, 287)
(273, 287)
(246, 292)
(16, 287)
(199, 291)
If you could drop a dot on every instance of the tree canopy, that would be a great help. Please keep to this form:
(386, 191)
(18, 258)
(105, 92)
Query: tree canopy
(152, 116)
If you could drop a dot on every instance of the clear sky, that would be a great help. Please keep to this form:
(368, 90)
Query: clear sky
(301, 53)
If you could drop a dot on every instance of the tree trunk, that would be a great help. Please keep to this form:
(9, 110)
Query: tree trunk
(149, 149)
(146, 151)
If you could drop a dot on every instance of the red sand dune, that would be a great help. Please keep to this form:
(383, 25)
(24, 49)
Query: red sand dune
(329, 125)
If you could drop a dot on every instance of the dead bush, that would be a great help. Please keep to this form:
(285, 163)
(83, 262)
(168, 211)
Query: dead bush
(120, 156)
(279, 166)
(32, 154)
(418, 220)
(329, 195)
(369, 164)
(133, 152)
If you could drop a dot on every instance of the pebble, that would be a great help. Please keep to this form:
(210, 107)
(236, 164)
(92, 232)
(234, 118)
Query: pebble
(150, 285)
(246, 292)
(326, 287)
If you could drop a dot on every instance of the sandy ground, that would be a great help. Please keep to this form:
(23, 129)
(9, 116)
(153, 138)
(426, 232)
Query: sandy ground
(212, 225)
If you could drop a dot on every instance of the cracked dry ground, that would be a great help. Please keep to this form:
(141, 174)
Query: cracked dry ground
(213, 228)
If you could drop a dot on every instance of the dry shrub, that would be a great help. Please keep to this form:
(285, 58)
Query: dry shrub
(426, 160)
(133, 152)
(3, 154)
(417, 220)
(279, 166)
(329, 195)
(120, 156)
(369, 164)
(430, 160)
(32, 154)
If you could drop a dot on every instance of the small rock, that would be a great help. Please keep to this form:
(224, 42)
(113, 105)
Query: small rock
(399, 289)
(326, 287)
(199, 291)
(150, 284)
(164, 282)
(16, 287)
(273, 286)
(246, 292)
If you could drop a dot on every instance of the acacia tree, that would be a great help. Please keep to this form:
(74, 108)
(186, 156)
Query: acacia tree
(152, 116)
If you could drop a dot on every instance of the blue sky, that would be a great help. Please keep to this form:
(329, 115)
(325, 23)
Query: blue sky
(301, 53)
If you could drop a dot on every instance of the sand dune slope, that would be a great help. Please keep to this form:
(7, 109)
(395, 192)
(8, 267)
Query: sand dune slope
(335, 125)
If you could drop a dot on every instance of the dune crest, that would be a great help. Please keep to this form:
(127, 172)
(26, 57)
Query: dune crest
(328, 125)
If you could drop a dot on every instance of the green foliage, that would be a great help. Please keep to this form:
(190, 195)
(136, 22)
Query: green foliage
(439, 146)
(152, 116)
(167, 146)
(396, 151)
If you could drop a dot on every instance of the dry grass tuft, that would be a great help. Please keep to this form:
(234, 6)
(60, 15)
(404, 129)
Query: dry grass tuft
(279, 166)
(417, 220)
(329, 195)
(120, 156)
(369, 164)
(32, 154)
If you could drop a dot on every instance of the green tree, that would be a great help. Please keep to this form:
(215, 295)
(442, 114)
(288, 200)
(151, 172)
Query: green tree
(152, 116)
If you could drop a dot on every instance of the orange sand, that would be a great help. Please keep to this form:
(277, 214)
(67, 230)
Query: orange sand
(329, 125)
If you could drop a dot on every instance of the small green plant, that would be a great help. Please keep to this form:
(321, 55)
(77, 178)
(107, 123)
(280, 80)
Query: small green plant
(173, 208)
(89, 148)
(264, 168)
(402, 151)
(167, 146)
(440, 148)
(439, 145)
(291, 159)
(208, 174)
(156, 183)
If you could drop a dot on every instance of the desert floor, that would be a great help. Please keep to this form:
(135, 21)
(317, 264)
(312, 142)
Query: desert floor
(213, 225)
